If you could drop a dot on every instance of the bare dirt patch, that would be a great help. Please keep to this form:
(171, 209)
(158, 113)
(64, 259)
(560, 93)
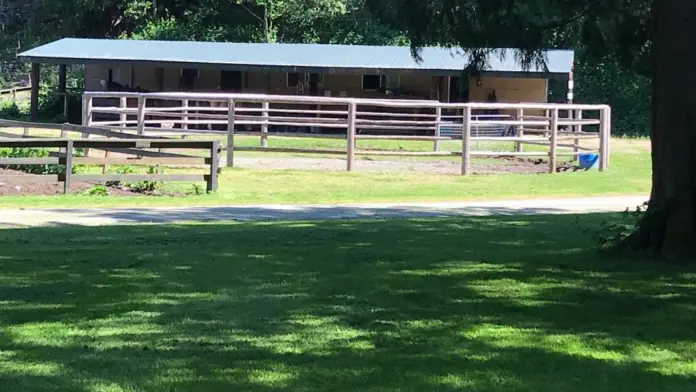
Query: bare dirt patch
(56, 188)
(510, 165)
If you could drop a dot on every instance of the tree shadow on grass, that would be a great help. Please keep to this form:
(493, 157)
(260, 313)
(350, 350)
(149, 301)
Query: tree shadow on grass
(481, 304)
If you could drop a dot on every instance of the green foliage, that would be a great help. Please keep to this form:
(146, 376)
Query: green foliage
(30, 152)
(198, 190)
(120, 169)
(149, 187)
(11, 111)
(612, 232)
(97, 190)
(627, 92)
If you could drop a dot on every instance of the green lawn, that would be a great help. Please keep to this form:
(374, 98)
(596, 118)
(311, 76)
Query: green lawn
(471, 304)
(629, 173)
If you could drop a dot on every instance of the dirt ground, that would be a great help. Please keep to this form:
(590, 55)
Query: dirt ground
(489, 166)
(50, 188)
(501, 165)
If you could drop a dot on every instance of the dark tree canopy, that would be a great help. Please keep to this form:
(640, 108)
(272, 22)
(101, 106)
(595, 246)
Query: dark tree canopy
(618, 27)
(657, 37)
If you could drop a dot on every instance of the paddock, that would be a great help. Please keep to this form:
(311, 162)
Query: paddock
(546, 131)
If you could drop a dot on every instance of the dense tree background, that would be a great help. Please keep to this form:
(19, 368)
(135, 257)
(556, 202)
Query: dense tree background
(599, 76)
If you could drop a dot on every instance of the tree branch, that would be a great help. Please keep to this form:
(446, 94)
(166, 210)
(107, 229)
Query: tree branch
(251, 12)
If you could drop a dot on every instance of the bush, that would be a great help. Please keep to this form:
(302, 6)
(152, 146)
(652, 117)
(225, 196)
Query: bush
(98, 190)
(612, 232)
(11, 111)
(32, 152)
(146, 186)
(138, 187)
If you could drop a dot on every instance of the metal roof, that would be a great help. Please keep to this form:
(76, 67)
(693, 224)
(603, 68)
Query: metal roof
(280, 57)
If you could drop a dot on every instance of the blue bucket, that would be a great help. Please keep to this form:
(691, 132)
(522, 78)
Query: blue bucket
(588, 161)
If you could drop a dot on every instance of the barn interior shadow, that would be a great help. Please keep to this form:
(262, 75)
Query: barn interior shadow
(480, 304)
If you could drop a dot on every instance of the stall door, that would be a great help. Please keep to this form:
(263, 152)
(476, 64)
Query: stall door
(231, 81)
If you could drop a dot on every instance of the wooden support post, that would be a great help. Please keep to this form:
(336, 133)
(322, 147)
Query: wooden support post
(141, 115)
(466, 141)
(264, 126)
(68, 166)
(212, 183)
(62, 90)
(547, 114)
(14, 95)
(553, 141)
(123, 117)
(607, 144)
(25, 133)
(35, 81)
(230, 133)
(86, 117)
(184, 126)
(438, 121)
(350, 142)
(604, 136)
(577, 129)
(520, 129)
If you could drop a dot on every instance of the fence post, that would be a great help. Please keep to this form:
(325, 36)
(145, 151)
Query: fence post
(350, 147)
(212, 183)
(86, 117)
(68, 166)
(520, 129)
(230, 133)
(438, 120)
(64, 133)
(25, 133)
(577, 129)
(604, 136)
(264, 125)
(466, 141)
(141, 115)
(553, 142)
(123, 117)
(184, 126)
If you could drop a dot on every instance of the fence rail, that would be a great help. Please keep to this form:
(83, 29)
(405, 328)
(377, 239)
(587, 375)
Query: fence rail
(130, 148)
(274, 116)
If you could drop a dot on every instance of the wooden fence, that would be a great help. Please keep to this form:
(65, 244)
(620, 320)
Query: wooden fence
(12, 92)
(559, 127)
(130, 152)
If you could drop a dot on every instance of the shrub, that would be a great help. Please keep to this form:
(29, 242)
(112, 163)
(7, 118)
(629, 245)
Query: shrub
(120, 169)
(31, 152)
(98, 190)
(146, 186)
(611, 233)
(11, 111)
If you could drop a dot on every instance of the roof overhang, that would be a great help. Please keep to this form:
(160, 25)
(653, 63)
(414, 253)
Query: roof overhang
(68, 51)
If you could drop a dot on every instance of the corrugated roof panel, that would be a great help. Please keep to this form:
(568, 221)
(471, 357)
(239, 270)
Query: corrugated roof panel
(278, 55)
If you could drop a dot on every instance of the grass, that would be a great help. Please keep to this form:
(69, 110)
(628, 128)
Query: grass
(476, 304)
(629, 174)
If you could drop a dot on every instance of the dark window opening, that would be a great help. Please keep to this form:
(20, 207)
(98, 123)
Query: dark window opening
(231, 81)
(189, 73)
(293, 78)
(371, 82)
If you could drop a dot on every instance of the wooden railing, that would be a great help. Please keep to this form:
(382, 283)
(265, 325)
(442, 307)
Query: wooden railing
(130, 152)
(560, 127)
(12, 92)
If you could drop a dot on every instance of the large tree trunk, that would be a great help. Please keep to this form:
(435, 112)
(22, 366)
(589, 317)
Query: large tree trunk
(669, 226)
